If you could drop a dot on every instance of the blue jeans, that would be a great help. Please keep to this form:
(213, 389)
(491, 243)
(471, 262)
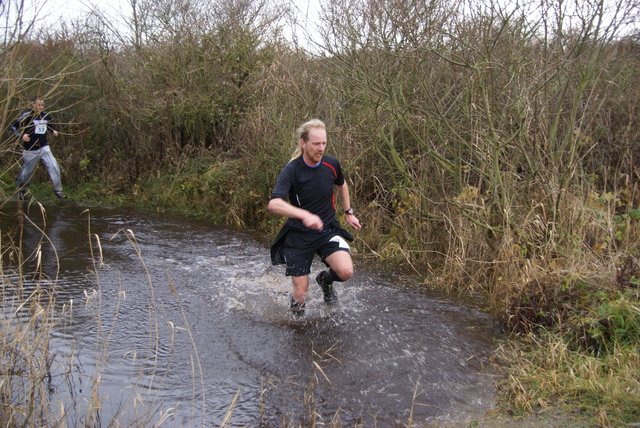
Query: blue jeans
(30, 159)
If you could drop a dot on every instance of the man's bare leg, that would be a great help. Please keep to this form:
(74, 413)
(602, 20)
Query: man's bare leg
(300, 289)
(340, 269)
(341, 263)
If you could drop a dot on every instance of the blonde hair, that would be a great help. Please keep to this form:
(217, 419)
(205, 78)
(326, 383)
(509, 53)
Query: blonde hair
(302, 133)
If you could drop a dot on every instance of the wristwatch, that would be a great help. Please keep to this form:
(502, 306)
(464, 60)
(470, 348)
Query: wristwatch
(349, 211)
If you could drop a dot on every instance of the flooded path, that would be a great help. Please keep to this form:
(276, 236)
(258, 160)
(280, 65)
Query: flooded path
(224, 348)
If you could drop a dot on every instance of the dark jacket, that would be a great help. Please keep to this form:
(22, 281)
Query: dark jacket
(36, 126)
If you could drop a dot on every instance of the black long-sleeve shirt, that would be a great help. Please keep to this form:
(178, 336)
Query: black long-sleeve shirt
(35, 125)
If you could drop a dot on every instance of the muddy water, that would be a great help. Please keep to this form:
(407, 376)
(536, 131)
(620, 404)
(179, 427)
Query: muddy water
(223, 346)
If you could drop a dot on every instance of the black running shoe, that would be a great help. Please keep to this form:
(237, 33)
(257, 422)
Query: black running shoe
(60, 195)
(297, 309)
(324, 281)
(21, 194)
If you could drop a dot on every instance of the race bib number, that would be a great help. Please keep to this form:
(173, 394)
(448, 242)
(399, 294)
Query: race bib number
(40, 126)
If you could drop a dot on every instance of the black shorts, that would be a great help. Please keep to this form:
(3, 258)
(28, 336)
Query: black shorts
(300, 247)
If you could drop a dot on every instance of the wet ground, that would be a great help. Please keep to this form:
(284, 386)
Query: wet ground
(190, 322)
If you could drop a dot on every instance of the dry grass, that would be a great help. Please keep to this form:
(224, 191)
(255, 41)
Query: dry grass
(548, 373)
(493, 160)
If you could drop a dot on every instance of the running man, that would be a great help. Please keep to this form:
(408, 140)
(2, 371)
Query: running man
(308, 182)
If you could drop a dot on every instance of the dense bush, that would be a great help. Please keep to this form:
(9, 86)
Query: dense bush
(492, 148)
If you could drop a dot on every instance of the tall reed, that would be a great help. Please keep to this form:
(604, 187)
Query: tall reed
(45, 380)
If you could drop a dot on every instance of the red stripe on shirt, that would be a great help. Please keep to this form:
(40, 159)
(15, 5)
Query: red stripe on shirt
(335, 174)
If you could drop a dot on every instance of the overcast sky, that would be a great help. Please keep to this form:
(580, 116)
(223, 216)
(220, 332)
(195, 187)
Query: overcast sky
(56, 10)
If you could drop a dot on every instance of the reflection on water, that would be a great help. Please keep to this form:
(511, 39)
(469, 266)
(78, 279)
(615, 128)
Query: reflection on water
(387, 354)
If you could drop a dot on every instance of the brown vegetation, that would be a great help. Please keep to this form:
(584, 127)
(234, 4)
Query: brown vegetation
(492, 148)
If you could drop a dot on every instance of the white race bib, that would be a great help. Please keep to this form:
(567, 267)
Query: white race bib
(40, 126)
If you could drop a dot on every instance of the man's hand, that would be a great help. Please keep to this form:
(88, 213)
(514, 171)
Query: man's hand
(313, 222)
(26, 138)
(282, 207)
(353, 221)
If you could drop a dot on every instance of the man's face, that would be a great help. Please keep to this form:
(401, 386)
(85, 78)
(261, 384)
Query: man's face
(38, 106)
(313, 149)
